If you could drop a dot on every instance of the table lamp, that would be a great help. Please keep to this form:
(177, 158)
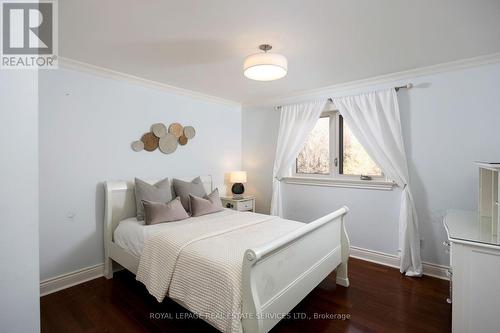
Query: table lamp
(238, 178)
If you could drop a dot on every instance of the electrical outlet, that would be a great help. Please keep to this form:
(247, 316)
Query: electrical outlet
(70, 216)
(421, 243)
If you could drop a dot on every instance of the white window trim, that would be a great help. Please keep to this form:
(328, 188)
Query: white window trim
(384, 185)
(334, 178)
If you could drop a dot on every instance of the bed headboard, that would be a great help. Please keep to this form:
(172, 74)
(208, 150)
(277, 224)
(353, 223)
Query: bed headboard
(120, 202)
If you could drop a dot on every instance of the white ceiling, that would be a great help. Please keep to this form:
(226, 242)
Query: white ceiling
(201, 44)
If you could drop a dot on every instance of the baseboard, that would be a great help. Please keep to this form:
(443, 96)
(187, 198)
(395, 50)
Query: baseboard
(374, 256)
(434, 270)
(89, 273)
(70, 279)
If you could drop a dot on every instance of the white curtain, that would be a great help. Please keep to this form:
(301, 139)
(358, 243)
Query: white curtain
(374, 120)
(296, 122)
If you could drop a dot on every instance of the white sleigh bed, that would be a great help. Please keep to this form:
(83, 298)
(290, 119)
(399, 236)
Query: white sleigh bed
(276, 275)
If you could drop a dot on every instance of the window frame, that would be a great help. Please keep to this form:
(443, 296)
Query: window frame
(334, 177)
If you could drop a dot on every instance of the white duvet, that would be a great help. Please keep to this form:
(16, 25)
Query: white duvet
(198, 261)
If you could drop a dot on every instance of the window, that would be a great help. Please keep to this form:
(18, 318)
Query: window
(353, 158)
(332, 152)
(315, 156)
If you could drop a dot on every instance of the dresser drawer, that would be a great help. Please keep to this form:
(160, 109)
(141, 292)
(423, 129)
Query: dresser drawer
(245, 205)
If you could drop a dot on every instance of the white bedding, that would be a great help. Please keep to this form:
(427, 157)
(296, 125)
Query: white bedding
(131, 234)
(198, 261)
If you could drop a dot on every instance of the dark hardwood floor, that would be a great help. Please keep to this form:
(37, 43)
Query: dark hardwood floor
(379, 299)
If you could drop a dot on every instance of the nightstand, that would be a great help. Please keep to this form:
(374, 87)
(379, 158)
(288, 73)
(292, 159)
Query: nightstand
(244, 204)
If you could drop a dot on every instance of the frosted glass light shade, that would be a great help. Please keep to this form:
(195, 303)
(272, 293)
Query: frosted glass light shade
(238, 177)
(265, 66)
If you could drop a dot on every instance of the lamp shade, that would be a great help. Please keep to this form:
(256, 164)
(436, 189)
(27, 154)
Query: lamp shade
(238, 177)
(265, 66)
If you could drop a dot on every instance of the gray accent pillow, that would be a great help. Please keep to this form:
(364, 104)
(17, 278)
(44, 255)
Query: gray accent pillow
(208, 204)
(158, 212)
(183, 189)
(159, 192)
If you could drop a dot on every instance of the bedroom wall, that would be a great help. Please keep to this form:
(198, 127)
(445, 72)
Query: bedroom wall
(19, 280)
(87, 123)
(449, 120)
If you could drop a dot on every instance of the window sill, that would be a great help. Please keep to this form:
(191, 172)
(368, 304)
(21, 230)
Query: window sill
(350, 183)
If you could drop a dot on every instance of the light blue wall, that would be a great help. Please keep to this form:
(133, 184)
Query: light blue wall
(86, 126)
(449, 120)
(19, 277)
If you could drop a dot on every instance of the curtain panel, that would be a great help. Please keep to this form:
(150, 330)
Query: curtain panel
(374, 120)
(296, 122)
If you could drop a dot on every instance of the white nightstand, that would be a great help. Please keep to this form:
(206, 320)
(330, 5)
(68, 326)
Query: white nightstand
(244, 204)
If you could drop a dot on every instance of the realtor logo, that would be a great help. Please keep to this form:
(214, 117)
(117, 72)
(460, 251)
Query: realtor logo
(29, 34)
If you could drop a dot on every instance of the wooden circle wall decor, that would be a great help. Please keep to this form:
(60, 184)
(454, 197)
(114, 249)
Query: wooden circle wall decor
(189, 132)
(138, 145)
(150, 141)
(176, 129)
(168, 144)
(166, 139)
(183, 140)
(159, 129)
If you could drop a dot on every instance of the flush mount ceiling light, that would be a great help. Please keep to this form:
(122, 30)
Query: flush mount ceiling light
(265, 66)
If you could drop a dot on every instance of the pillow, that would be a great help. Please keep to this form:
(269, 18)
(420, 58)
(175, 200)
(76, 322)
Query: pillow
(159, 192)
(208, 204)
(183, 189)
(158, 212)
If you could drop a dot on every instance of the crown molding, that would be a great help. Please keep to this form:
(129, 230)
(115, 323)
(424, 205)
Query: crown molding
(392, 78)
(72, 64)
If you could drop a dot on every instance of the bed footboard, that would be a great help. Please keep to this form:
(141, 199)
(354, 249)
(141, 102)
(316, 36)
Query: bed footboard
(278, 275)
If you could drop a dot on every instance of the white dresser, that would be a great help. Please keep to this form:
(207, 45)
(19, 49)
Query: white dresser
(473, 238)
